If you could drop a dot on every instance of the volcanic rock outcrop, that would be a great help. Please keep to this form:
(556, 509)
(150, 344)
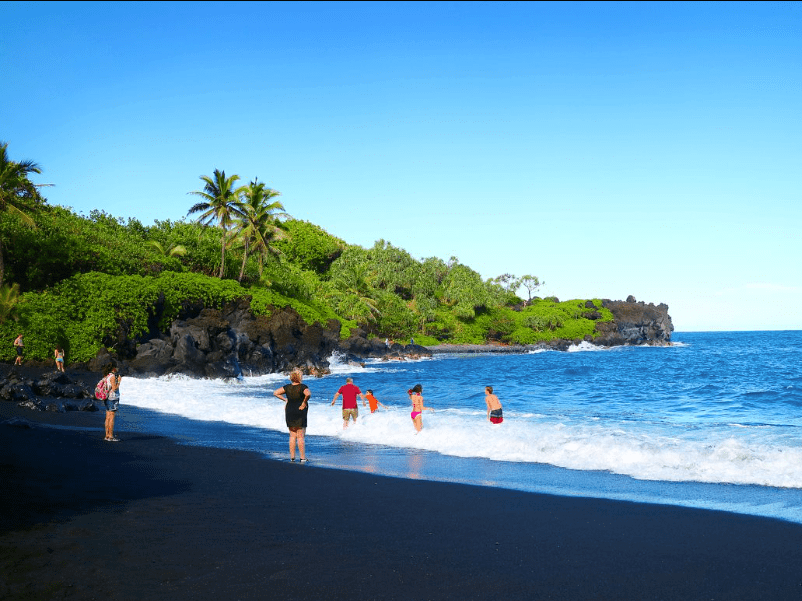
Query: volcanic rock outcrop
(635, 323)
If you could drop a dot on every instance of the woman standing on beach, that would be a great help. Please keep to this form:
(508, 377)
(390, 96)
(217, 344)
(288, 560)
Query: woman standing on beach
(417, 406)
(296, 396)
(112, 401)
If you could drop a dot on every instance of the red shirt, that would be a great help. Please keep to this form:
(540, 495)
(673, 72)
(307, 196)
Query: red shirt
(349, 392)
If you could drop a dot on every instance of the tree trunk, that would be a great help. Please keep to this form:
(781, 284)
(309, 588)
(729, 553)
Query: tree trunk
(222, 255)
(244, 258)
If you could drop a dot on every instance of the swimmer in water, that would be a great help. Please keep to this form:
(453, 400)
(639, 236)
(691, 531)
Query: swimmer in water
(417, 406)
(494, 412)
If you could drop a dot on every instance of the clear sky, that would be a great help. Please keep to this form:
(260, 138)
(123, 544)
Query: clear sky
(609, 149)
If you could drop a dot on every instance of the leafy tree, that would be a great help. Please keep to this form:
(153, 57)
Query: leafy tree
(351, 285)
(426, 288)
(531, 283)
(309, 246)
(395, 318)
(15, 189)
(393, 268)
(464, 289)
(63, 244)
(221, 205)
(290, 280)
(506, 280)
(201, 243)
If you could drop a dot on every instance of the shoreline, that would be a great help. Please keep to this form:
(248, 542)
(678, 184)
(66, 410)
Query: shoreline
(442, 349)
(151, 518)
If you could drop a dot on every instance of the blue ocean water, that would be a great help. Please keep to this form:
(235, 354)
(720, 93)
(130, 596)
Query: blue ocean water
(713, 421)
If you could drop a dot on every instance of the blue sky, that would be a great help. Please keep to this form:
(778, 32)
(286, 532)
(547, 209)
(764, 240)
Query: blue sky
(609, 149)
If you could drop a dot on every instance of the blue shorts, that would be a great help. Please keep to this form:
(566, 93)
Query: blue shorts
(112, 405)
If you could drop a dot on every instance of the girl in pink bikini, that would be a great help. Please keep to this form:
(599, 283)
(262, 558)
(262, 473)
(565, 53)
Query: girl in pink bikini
(417, 406)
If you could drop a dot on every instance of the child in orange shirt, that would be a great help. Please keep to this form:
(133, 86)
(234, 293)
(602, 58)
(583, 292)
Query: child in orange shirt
(374, 402)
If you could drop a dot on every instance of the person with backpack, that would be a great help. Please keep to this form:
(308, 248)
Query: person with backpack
(107, 390)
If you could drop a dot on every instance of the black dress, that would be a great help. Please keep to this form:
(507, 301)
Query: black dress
(296, 417)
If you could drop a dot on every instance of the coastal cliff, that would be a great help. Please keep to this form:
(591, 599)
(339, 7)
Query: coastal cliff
(635, 323)
(232, 342)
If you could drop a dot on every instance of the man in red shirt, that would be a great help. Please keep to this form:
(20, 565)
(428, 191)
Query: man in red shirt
(349, 393)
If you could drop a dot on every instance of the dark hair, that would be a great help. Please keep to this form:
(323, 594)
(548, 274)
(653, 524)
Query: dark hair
(489, 389)
(417, 388)
(370, 392)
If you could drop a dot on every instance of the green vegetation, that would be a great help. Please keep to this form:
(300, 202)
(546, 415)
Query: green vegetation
(88, 311)
(18, 195)
(87, 282)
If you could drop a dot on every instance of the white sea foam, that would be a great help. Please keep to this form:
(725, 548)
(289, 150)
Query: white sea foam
(338, 365)
(585, 346)
(761, 456)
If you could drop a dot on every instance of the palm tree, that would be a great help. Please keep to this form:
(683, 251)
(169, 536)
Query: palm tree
(174, 250)
(9, 297)
(14, 187)
(221, 204)
(352, 281)
(257, 225)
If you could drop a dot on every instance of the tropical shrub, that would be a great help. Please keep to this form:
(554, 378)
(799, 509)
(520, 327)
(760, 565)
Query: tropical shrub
(309, 246)
(85, 312)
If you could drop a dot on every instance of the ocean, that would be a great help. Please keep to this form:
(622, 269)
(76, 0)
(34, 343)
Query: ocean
(713, 421)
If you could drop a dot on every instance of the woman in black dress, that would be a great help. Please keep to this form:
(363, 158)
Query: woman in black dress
(296, 395)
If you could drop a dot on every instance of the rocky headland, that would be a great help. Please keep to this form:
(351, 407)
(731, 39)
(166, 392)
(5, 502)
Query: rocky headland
(231, 342)
(635, 323)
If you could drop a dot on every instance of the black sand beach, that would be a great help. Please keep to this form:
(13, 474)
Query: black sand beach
(147, 518)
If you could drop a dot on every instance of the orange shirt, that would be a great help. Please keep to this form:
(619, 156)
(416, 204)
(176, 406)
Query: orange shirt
(374, 404)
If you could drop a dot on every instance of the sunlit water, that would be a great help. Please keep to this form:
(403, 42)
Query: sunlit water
(713, 421)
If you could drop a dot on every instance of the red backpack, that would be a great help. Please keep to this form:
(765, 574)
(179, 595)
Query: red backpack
(101, 393)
